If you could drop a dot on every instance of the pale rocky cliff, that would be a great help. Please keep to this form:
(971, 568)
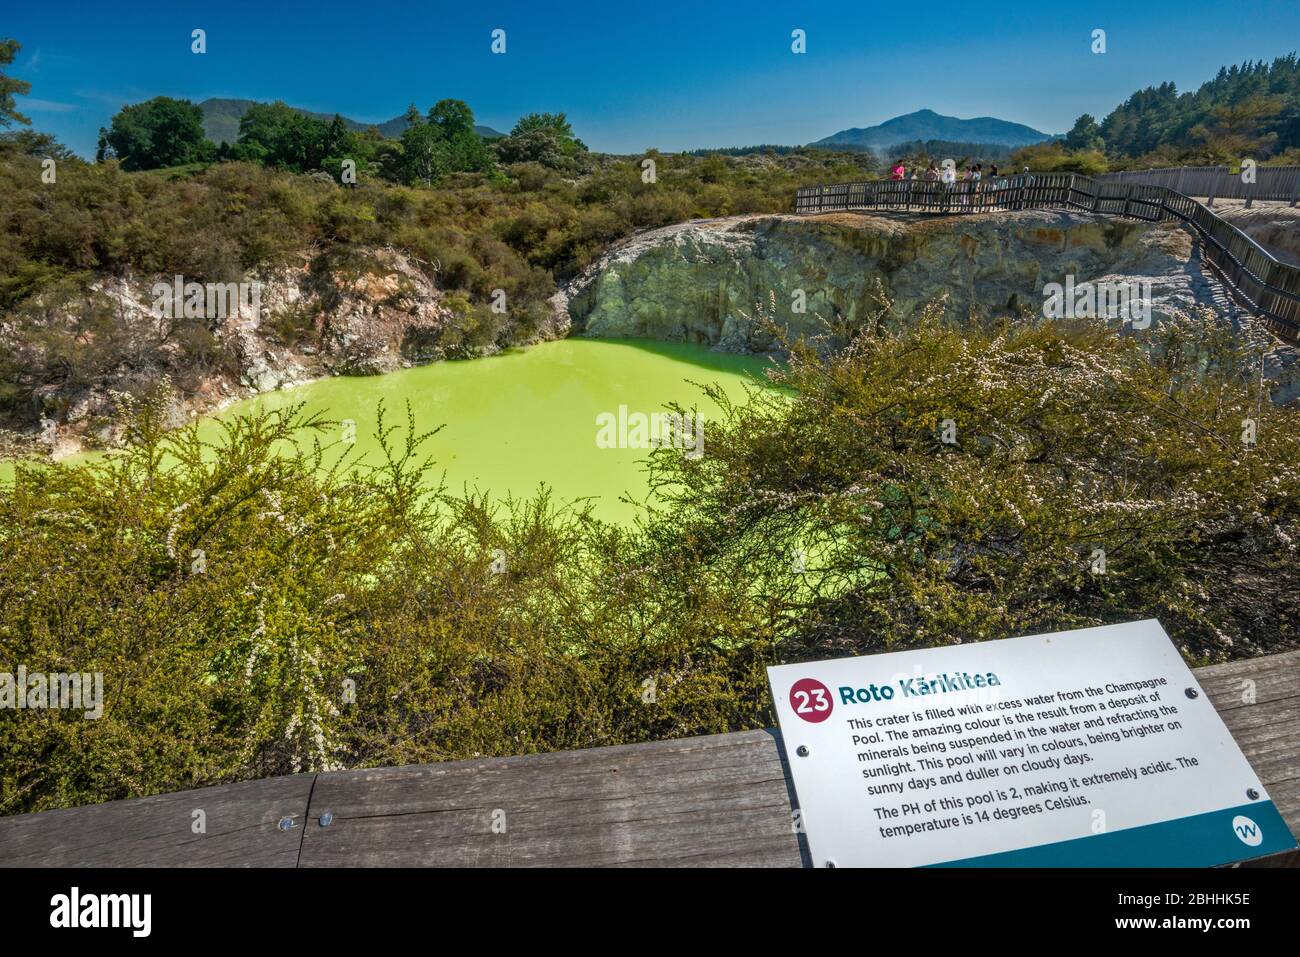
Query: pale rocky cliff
(693, 282)
(698, 281)
(373, 315)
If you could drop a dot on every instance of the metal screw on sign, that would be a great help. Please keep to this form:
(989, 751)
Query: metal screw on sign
(1192, 693)
(286, 824)
(1252, 794)
(802, 751)
(327, 819)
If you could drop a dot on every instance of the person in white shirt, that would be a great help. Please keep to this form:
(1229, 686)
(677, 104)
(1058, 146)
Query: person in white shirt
(948, 176)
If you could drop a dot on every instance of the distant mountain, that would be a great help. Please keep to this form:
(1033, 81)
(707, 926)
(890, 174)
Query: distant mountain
(221, 121)
(929, 125)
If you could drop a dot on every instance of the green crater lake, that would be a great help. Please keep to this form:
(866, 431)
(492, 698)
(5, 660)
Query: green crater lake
(515, 421)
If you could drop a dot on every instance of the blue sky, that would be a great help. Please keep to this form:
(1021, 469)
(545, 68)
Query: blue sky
(666, 74)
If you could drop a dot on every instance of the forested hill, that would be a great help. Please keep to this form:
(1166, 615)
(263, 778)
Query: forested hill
(929, 125)
(1256, 101)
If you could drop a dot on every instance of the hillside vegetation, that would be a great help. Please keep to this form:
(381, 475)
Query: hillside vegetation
(1251, 111)
(521, 228)
(253, 614)
(1248, 111)
(221, 118)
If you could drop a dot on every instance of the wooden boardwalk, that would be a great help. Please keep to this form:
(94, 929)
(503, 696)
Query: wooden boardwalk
(723, 800)
(1266, 287)
(1266, 184)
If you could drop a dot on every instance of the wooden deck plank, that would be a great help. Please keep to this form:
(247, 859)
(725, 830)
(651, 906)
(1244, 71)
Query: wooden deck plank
(241, 821)
(717, 800)
(1271, 677)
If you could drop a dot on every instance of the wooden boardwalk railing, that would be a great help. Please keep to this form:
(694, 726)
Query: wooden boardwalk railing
(1263, 285)
(1218, 182)
(713, 801)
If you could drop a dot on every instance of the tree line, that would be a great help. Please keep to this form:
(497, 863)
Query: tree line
(1251, 111)
(164, 132)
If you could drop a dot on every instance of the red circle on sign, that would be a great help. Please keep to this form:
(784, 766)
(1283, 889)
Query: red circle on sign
(811, 700)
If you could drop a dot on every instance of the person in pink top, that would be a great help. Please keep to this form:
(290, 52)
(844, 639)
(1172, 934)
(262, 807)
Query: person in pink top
(898, 172)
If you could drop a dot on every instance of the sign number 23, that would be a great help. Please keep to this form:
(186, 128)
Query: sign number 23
(811, 700)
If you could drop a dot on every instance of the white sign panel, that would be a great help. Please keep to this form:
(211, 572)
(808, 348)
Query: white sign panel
(1094, 747)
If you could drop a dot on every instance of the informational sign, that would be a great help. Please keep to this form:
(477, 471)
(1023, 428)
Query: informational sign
(1089, 748)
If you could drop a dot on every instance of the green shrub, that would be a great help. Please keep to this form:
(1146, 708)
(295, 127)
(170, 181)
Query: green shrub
(234, 596)
(230, 596)
(1069, 440)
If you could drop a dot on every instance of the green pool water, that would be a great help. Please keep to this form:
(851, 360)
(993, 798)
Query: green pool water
(514, 421)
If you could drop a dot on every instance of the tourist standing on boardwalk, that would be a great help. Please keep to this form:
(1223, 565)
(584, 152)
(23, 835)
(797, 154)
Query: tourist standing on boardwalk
(949, 179)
